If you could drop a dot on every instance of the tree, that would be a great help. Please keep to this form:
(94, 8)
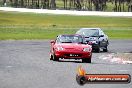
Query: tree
(129, 5)
(78, 4)
(22, 3)
(53, 4)
(16, 3)
(4, 1)
(45, 4)
(96, 4)
(65, 4)
(90, 5)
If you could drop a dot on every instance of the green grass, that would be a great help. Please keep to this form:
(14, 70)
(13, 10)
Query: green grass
(14, 25)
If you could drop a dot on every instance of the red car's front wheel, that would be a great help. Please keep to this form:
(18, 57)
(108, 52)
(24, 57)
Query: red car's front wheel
(86, 60)
(51, 57)
(55, 58)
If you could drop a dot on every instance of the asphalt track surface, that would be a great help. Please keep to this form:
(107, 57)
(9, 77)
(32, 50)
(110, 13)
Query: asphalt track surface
(26, 64)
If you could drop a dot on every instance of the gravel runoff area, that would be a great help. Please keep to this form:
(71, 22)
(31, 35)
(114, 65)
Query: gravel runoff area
(69, 12)
(122, 58)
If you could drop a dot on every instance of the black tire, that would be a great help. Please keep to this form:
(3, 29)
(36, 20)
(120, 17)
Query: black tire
(55, 58)
(97, 50)
(105, 49)
(86, 60)
(51, 57)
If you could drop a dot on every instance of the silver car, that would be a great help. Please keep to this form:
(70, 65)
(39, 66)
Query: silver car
(95, 37)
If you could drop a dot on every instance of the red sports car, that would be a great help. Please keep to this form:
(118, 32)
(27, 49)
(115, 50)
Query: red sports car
(70, 47)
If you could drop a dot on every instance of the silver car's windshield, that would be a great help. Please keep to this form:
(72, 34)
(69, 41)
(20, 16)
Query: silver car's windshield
(69, 39)
(89, 32)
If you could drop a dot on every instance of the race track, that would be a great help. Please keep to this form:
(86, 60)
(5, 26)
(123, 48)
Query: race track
(26, 64)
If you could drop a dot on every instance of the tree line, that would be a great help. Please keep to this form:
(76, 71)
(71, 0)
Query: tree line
(90, 5)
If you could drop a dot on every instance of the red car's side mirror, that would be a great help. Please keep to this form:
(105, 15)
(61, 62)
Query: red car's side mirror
(52, 41)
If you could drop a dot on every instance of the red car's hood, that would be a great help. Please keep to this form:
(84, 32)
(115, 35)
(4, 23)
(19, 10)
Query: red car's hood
(74, 46)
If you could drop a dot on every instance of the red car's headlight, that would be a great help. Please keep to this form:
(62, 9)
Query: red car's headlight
(87, 49)
(59, 48)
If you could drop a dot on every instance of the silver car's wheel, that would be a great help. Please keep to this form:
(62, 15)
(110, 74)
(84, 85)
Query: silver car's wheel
(98, 50)
(105, 49)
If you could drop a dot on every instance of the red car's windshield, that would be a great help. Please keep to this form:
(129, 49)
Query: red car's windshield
(69, 39)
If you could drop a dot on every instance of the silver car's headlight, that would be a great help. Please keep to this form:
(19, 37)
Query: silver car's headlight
(93, 41)
(87, 49)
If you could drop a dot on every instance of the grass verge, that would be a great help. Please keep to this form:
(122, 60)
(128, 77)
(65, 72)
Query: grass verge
(14, 25)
